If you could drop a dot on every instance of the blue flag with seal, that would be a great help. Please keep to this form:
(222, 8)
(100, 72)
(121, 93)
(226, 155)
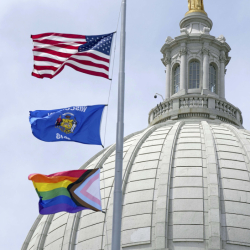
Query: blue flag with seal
(79, 124)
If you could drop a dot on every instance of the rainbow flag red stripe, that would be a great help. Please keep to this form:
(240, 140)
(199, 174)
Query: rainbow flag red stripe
(55, 192)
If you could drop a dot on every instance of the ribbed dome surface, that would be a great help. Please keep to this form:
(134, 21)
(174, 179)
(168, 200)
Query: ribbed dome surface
(186, 187)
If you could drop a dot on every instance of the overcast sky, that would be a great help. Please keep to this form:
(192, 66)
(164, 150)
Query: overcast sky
(148, 25)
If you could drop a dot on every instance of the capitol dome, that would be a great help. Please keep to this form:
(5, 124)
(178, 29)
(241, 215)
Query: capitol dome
(186, 176)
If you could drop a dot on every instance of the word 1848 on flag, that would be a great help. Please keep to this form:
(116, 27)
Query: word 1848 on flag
(87, 54)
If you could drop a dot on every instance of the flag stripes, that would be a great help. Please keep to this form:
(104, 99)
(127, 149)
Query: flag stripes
(55, 191)
(53, 51)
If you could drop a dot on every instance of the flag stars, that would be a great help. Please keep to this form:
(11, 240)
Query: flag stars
(98, 43)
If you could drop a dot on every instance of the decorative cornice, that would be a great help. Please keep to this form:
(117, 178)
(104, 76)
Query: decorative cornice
(196, 38)
(183, 51)
(169, 39)
(205, 51)
(167, 60)
(184, 31)
(221, 38)
(223, 58)
(196, 17)
(206, 30)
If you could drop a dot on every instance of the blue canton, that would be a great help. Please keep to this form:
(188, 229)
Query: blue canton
(101, 43)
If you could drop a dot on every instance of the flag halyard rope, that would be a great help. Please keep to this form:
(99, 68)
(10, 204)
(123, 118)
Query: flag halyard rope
(111, 80)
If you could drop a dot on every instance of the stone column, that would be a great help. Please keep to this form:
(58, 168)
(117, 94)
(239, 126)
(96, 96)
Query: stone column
(222, 74)
(167, 62)
(183, 77)
(205, 52)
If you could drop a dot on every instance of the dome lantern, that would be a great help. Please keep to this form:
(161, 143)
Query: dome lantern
(195, 64)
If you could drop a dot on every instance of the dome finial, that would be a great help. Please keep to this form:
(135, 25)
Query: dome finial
(196, 6)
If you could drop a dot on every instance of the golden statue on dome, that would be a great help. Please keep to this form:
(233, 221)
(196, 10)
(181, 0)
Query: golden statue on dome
(196, 6)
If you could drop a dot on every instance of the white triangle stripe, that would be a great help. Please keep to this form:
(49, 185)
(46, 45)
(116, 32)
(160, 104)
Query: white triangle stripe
(94, 189)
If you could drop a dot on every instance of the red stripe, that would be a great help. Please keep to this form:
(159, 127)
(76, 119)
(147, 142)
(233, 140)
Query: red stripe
(83, 62)
(42, 76)
(52, 52)
(70, 173)
(93, 56)
(67, 55)
(46, 59)
(37, 48)
(59, 71)
(89, 63)
(52, 42)
(60, 45)
(89, 72)
(57, 34)
(36, 75)
(94, 73)
(65, 46)
(45, 67)
(40, 178)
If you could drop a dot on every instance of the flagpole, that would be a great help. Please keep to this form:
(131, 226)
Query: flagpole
(117, 206)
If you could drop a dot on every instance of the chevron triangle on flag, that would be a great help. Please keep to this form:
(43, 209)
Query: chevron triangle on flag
(86, 190)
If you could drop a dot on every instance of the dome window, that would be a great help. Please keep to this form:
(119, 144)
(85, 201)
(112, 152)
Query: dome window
(194, 75)
(212, 78)
(176, 82)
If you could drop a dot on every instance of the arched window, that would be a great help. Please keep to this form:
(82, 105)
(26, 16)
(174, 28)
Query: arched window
(194, 75)
(212, 78)
(176, 85)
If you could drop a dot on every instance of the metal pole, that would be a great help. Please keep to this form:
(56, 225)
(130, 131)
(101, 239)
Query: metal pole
(117, 206)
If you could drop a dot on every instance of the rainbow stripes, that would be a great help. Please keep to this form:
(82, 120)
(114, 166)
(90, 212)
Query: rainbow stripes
(55, 191)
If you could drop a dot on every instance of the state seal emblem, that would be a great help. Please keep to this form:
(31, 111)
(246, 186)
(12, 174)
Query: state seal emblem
(66, 123)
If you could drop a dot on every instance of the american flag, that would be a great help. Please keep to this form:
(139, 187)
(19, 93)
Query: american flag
(87, 54)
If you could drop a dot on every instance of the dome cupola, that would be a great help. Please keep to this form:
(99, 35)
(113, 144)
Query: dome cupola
(195, 64)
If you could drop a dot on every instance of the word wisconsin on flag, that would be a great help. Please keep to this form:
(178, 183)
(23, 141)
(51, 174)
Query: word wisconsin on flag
(79, 124)
(87, 54)
(68, 191)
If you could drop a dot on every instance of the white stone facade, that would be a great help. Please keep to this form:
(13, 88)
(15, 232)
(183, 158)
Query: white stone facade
(186, 186)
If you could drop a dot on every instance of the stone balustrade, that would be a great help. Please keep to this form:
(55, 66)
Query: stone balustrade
(162, 108)
(190, 102)
(209, 107)
(226, 107)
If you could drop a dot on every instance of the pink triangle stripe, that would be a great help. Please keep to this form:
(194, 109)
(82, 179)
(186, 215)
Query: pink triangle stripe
(88, 195)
